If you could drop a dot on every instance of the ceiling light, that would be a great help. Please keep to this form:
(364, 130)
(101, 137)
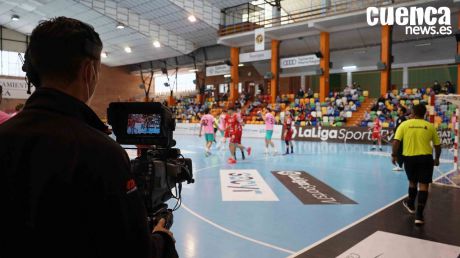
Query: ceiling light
(423, 44)
(350, 67)
(227, 76)
(120, 26)
(156, 44)
(192, 18)
(104, 54)
(127, 49)
(15, 17)
(240, 65)
(193, 70)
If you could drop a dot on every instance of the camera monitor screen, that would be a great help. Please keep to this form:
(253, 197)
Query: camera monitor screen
(143, 124)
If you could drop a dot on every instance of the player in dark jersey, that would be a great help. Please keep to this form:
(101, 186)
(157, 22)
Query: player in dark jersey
(288, 131)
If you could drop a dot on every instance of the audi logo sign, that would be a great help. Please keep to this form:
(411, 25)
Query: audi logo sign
(289, 62)
(299, 61)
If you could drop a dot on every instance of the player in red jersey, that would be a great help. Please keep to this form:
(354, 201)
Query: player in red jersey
(288, 131)
(235, 131)
(376, 134)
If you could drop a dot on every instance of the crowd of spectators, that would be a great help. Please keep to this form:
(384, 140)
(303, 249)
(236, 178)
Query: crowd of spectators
(306, 109)
(186, 109)
(385, 107)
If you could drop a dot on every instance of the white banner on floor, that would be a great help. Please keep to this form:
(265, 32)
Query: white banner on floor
(383, 244)
(245, 185)
(250, 131)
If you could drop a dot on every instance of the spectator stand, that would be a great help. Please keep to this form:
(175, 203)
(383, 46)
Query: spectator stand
(386, 107)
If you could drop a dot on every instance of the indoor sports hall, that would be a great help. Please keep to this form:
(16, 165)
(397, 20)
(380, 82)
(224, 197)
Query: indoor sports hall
(230, 128)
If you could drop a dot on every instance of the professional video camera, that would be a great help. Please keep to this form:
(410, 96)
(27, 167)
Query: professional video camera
(158, 167)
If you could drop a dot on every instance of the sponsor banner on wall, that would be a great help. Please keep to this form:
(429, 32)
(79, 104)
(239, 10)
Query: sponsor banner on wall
(354, 135)
(259, 39)
(338, 134)
(310, 190)
(255, 56)
(384, 244)
(217, 70)
(14, 89)
(299, 61)
(244, 185)
(187, 128)
(249, 131)
(258, 131)
(310, 133)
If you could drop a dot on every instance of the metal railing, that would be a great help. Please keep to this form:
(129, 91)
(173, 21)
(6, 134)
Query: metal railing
(335, 8)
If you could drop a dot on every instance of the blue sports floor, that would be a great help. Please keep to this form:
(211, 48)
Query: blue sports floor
(207, 227)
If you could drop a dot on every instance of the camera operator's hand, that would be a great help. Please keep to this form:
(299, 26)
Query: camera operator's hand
(160, 227)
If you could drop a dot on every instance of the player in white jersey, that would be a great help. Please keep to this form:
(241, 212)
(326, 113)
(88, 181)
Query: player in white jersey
(222, 128)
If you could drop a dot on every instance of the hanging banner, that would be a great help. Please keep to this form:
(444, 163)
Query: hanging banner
(259, 39)
(255, 56)
(14, 88)
(299, 61)
(217, 70)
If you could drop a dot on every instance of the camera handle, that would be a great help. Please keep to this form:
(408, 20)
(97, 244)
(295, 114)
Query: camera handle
(162, 212)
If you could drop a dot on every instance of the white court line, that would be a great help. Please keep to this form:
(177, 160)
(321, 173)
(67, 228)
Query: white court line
(343, 229)
(235, 233)
(239, 162)
(228, 230)
(386, 154)
(349, 226)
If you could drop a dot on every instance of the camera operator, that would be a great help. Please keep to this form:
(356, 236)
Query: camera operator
(66, 188)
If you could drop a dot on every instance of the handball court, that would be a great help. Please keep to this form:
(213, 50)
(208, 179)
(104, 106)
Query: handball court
(357, 212)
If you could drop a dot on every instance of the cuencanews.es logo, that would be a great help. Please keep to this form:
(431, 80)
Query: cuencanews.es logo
(416, 20)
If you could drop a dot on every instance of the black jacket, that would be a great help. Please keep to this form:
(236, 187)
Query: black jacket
(65, 187)
(399, 121)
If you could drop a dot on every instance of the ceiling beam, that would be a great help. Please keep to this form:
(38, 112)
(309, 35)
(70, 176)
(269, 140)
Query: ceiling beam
(143, 26)
(202, 10)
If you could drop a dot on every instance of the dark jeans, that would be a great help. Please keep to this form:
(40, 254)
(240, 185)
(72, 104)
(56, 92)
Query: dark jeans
(400, 156)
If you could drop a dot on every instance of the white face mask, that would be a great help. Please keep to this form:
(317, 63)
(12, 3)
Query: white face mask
(89, 94)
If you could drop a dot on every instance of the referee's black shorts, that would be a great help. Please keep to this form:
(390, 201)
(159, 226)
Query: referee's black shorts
(419, 169)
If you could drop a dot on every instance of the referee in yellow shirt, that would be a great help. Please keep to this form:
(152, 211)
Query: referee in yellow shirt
(418, 135)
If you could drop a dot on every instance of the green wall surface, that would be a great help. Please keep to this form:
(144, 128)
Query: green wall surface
(337, 81)
(397, 78)
(369, 81)
(313, 82)
(422, 77)
(418, 77)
